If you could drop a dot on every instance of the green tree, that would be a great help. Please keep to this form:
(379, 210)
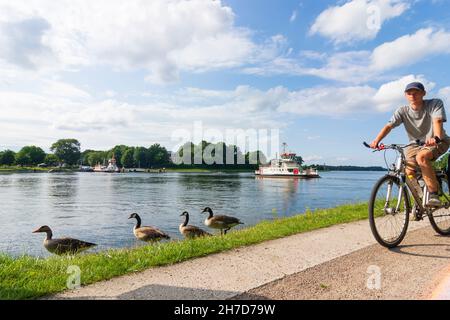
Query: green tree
(67, 150)
(7, 157)
(84, 156)
(158, 155)
(128, 158)
(255, 158)
(441, 163)
(140, 157)
(95, 157)
(185, 154)
(51, 160)
(30, 155)
(118, 152)
(299, 160)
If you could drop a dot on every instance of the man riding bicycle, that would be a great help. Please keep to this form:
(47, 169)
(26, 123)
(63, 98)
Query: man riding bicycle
(423, 120)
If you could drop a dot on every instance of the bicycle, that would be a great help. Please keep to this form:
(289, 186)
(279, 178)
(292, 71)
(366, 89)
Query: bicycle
(394, 197)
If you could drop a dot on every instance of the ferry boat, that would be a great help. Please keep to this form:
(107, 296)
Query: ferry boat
(286, 166)
(111, 167)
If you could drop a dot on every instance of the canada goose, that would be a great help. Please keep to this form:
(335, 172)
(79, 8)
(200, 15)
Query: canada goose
(63, 245)
(146, 233)
(224, 223)
(189, 231)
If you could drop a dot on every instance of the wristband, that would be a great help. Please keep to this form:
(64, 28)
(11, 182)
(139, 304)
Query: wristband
(437, 139)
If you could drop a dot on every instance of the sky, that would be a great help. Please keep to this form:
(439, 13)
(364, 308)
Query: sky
(324, 76)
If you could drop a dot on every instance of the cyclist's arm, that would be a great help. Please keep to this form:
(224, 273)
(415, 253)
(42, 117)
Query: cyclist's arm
(383, 133)
(438, 129)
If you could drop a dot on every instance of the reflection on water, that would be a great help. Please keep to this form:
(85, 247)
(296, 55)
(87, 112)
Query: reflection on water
(95, 207)
(285, 189)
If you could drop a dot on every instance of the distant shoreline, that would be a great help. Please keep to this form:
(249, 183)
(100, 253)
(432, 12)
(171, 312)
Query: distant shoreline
(180, 170)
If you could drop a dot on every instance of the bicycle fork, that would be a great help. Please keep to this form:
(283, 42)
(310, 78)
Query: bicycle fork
(387, 208)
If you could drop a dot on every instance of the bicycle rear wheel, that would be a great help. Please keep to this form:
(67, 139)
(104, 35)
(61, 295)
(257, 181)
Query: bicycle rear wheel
(440, 218)
(389, 209)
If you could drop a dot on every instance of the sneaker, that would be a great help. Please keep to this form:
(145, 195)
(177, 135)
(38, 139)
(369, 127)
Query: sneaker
(433, 200)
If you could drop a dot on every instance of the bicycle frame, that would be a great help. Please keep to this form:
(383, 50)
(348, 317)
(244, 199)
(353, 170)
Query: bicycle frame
(398, 170)
(394, 216)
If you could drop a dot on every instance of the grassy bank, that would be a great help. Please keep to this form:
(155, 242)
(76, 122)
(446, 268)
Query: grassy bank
(28, 277)
(13, 169)
(22, 169)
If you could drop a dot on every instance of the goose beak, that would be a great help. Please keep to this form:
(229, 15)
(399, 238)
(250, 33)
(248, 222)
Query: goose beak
(36, 231)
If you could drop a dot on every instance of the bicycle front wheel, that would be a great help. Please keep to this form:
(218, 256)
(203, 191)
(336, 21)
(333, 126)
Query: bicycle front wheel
(440, 218)
(389, 209)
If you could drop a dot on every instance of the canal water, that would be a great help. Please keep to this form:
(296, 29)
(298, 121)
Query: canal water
(95, 206)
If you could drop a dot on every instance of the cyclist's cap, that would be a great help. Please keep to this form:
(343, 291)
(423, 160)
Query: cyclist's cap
(415, 85)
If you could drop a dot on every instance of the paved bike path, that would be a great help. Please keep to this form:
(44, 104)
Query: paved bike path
(228, 274)
(418, 269)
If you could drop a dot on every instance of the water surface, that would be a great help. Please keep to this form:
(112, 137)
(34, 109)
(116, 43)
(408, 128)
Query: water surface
(95, 206)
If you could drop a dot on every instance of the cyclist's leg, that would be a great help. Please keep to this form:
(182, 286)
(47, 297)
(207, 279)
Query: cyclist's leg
(411, 163)
(425, 157)
(411, 174)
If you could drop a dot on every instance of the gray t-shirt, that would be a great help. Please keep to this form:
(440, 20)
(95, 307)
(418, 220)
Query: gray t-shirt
(419, 124)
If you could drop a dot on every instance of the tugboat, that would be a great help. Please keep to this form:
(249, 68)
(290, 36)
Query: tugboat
(287, 166)
(112, 166)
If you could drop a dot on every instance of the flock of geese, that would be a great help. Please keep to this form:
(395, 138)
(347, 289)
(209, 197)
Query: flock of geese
(145, 233)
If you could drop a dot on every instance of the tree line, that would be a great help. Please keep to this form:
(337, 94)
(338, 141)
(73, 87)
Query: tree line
(129, 157)
(68, 152)
(216, 155)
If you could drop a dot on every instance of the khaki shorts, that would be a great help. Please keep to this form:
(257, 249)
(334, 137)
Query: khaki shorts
(437, 151)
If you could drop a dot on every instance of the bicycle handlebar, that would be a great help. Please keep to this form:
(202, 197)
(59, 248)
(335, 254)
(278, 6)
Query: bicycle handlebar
(395, 146)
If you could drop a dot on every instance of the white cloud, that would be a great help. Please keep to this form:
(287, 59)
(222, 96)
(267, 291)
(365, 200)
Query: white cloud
(357, 19)
(162, 37)
(361, 66)
(104, 123)
(410, 49)
(22, 42)
(390, 95)
(313, 55)
(96, 117)
(338, 101)
(43, 117)
(331, 101)
(63, 90)
(110, 93)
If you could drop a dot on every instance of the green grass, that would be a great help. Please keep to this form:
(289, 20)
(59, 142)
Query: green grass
(12, 169)
(28, 277)
(21, 169)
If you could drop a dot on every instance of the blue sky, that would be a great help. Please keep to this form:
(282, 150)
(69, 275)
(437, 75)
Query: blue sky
(326, 74)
